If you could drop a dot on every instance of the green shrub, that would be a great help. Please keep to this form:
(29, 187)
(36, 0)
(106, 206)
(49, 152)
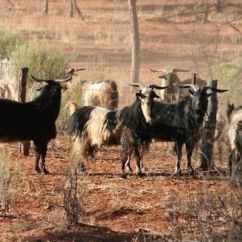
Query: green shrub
(42, 61)
(75, 94)
(8, 41)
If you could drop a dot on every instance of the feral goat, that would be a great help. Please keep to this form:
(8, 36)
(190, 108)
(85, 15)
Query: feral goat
(98, 93)
(170, 78)
(234, 135)
(181, 122)
(101, 93)
(34, 120)
(95, 126)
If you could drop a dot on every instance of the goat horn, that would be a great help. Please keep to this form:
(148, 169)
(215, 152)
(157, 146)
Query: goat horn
(217, 90)
(72, 71)
(63, 80)
(36, 79)
(80, 69)
(51, 81)
(135, 84)
(40, 80)
(160, 70)
(169, 70)
(83, 81)
(157, 87)
(194, 87)
(179, 70)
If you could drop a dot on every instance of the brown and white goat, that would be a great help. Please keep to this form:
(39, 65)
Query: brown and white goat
(234, 135)
(101, 93)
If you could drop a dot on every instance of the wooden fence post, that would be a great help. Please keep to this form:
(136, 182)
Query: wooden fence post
(24, 147)
(194, 78)
(209, 131)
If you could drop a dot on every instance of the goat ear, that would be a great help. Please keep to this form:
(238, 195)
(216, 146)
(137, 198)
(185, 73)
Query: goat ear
(191, 91)
(155, 95)
(39, 89)
(141, 95)
(153, 86)
(135, 84)
(217, 90)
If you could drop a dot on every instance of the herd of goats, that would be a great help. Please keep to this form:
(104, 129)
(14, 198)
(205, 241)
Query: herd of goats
(100, 122)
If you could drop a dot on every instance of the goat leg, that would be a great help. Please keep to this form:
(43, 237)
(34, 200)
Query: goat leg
(189, 150)
(124, 159)
(178, 150)
(138, 160)
(37, 168)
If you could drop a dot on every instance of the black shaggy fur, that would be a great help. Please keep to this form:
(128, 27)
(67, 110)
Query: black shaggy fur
(78, 120)
(116, 121)
(135, 136)
(181, 122)
(33, 120)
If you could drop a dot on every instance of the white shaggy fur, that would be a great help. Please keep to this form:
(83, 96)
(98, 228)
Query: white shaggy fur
(96, 127)
(235, 118)
(101, 93)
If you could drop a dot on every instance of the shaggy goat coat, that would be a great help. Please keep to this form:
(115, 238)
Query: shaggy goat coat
(33, 120)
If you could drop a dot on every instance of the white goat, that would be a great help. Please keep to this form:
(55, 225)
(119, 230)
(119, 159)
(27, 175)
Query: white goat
(235, 119)
(170, 78)
(101, 93)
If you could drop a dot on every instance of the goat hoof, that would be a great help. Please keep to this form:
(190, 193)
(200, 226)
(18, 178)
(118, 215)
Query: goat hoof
(37, 169)
(45, 171)
(81, 167)
(191, 171)
(140, 174)
(177, 173)
(123, 176)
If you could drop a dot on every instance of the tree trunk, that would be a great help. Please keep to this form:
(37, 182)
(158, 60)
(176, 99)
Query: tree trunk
(209, 131)
(24, 148)
(135, 67)
(10, 2)
(46, 10)
(74, 8)
(219, 5)
(78, 10)
(71, 13)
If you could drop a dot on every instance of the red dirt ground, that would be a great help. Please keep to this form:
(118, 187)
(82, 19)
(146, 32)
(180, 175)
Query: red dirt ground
(158, 206)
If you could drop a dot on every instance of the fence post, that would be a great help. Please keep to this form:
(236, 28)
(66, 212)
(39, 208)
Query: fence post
(194, 78)
(22, 83)
(209, 130)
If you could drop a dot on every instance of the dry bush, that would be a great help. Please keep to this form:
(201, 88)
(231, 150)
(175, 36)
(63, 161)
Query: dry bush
(8, 41)
(71, 198)
(9, 181)
(41, 60)
(206, 216)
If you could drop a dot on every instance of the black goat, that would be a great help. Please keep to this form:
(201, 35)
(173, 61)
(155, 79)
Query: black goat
(181, 122)
(33, 120)
(95, 126)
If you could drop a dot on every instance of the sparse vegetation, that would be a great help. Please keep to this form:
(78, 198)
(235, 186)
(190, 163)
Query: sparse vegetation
(8, 41)
(71, 198)
(42, 61)
(9, 181)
